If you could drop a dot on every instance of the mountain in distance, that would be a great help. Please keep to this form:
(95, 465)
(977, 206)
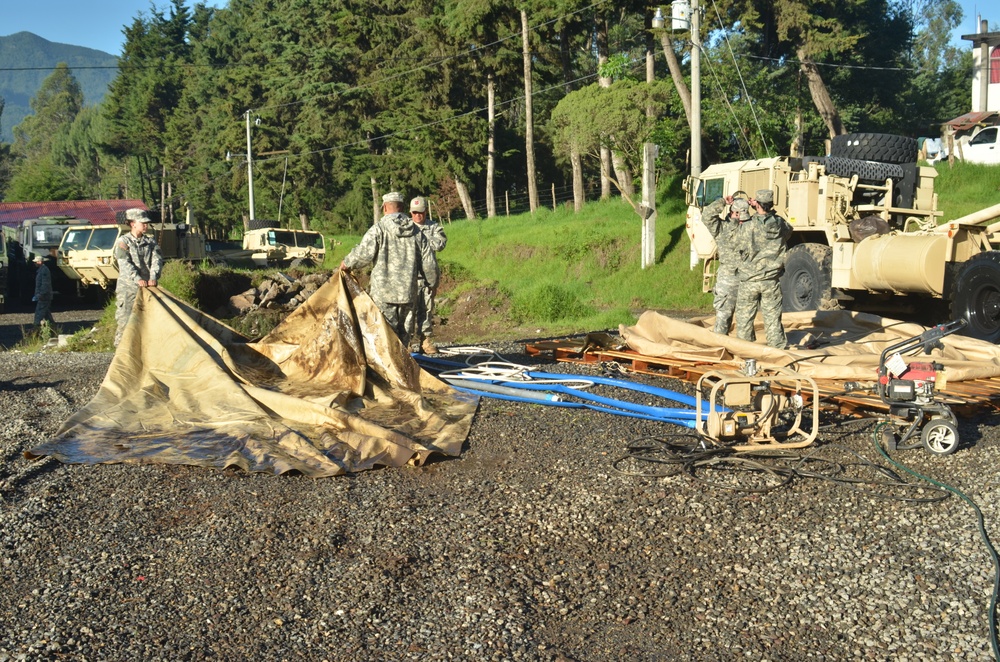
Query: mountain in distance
(26, 60)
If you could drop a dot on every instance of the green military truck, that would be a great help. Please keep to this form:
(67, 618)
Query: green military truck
(866, 233)
(35, 236)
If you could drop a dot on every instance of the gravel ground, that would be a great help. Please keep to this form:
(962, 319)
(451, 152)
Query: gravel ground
(17, 319)
(530, 546)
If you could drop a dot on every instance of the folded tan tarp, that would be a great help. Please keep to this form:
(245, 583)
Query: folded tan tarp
(329, 391)
(836, 345)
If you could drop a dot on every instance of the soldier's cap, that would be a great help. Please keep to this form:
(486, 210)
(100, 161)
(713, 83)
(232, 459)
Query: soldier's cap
(394, 196)
(419, 204)
(765, 196)
(739, 205)
(136, 214)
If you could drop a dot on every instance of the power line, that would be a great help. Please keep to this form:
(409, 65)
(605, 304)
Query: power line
(784, 61)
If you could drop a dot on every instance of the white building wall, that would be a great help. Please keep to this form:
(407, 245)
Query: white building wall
(993, 93)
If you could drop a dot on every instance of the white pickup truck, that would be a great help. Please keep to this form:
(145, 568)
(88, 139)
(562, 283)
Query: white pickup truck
(983, 147)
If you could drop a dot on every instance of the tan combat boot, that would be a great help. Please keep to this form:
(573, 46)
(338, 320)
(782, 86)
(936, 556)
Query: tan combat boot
(428, 346)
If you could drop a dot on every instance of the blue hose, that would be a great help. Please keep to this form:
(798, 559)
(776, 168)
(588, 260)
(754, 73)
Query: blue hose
(577, 405)
(666, 394)
(675, 415)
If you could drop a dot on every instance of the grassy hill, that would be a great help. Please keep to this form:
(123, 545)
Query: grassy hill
(27, 59)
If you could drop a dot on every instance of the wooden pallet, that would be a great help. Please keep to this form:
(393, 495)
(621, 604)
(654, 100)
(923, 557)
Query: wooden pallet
(964, 397)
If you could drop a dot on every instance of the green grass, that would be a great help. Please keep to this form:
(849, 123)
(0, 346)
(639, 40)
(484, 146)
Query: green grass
(965, 188)
(566, 272)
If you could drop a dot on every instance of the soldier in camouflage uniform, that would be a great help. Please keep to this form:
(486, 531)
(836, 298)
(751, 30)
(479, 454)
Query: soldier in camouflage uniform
(139, 265)
(43, 293)
(398, 252)
(424, 308)
(762, 242)
(724, 227)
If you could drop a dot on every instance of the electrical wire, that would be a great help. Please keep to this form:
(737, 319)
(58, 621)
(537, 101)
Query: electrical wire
(739, 73)
(980, 523)
(776, 468)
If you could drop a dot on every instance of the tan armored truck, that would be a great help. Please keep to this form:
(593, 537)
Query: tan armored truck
(866, 234)
(87, 252)
(275, 247)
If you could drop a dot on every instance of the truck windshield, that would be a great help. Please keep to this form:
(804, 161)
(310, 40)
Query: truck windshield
(309, 239)
(45, 236)
(75, 240)
(710, 190)
(104, 238)
(276, 237)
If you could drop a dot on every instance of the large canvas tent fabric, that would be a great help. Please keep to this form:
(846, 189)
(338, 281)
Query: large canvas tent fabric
(834, 344)
(330, 390)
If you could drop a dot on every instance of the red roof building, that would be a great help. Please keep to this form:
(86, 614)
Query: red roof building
(98, 212)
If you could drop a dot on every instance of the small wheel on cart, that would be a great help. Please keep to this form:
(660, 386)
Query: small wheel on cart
(940, 436)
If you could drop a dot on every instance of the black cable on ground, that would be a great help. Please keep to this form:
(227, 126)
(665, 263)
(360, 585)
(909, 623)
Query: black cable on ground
(777, 468)
(981, 523)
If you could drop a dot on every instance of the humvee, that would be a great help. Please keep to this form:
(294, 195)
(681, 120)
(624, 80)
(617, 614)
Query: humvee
(275, 247)
(87, 252)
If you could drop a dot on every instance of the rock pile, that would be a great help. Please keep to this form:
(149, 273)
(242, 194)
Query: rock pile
(280, 293)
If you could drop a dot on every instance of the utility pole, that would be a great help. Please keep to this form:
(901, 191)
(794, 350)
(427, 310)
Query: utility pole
(695, 89)
(648, 248)
(249, 166)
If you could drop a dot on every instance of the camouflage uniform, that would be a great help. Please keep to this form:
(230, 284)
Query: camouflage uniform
(424, 308)
(398, 252)
(727, 281)
(763, 243)
(139, 258)
(43, 295)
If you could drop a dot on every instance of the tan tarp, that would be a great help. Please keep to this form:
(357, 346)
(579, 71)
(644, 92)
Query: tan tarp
(330, 390)
(836, 345)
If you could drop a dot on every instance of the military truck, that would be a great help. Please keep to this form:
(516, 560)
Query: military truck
(35, 236)
(87, 252)
(275, 247)
(866, 233)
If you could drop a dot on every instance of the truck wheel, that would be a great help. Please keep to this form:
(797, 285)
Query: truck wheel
(302, 263)
(883, 147)
(805, 284)
(867, 171)
(976, 296)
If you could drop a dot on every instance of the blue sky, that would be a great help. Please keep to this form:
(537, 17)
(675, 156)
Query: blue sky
(92, 23)
(98, 23)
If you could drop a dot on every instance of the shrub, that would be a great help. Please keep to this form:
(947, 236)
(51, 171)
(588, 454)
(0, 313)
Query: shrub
(549, 303)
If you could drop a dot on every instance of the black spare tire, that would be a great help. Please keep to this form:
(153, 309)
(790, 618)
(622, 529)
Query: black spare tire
(883, 147)
(870, 172)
